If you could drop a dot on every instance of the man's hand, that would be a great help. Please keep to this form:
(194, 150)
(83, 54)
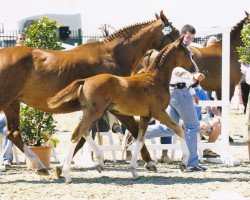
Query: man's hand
(198, 76)
(196, 99)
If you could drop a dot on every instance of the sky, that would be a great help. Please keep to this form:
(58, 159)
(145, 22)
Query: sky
(202, 14)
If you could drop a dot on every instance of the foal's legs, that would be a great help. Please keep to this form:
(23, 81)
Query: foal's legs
(164, 118)
(130, 123)
(13, 134)
(82, 130)
(143, 125)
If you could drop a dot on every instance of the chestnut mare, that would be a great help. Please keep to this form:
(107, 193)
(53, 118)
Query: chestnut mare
(109, 92)
(210, 58)
(32, 75)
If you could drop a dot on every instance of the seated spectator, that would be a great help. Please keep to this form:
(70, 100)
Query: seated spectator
(210, 127)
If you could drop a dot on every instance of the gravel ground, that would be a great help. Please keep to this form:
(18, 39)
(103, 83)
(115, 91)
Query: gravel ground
(115, 182)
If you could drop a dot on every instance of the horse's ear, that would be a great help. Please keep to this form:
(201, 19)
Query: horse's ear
(163, 18)
(157, 16)
(247, 14)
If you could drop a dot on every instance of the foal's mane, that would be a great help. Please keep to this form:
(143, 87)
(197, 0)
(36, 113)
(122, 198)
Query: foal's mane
(160, 57)
(127, 31)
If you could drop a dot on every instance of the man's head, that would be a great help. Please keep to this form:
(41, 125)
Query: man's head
(20, 39)
(189, 32)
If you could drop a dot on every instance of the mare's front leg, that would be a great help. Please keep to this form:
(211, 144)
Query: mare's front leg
(143, 125)
(13, 134)
(130, 123)
(164, 118)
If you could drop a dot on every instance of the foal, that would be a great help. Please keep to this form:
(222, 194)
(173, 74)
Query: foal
(148, 97)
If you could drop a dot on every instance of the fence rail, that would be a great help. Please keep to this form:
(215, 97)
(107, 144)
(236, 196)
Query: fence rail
(76, 36)
(8, 39)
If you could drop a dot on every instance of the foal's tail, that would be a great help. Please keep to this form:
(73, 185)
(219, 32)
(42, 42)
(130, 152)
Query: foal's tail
(69, 93)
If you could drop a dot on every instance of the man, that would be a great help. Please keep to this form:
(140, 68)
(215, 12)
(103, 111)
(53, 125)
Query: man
(182, 106)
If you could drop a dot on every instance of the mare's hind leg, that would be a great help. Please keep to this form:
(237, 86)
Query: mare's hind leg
(143, 125)
(130, 123)
(13, 134)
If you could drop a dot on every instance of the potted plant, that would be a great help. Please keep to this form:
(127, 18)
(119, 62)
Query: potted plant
(38, 127)
(37, 130)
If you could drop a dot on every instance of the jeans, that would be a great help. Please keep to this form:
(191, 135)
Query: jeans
(181, 106)
(7, 153)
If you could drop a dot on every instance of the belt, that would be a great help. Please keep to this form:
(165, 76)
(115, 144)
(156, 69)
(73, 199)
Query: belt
(178, 85)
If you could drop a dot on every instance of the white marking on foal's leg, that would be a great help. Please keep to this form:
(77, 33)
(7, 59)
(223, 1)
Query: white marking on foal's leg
(133, 163)
(33, 157)
(96, 149)
(185, 152)
(67, 162)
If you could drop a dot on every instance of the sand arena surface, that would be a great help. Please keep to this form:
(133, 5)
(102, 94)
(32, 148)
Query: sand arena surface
(115, 182)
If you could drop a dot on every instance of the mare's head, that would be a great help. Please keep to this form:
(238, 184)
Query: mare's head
(174, 55)
(168, 33)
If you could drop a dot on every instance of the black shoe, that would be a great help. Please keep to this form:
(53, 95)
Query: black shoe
(231, 139)
(195, 169)
(202, 167)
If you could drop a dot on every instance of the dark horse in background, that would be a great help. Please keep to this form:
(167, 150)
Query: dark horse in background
(33, 75)
(210, 58)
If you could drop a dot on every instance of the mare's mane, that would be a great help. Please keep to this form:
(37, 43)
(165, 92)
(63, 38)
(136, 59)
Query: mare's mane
(127, 31)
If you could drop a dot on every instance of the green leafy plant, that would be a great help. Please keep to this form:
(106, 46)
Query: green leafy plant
(37, 127)
(244, 51)
(42, 34)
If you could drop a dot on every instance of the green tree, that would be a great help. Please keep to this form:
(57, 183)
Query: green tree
(244, 51)
(42, 34)
(37, 126)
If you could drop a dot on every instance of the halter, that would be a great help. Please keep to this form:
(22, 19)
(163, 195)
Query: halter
(166, 30)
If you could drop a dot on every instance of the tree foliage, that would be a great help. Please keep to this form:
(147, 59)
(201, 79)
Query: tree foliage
(42, 34)
(244, 51)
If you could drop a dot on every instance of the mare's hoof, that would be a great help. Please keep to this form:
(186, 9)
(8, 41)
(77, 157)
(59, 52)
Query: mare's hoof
(99, 168)
(183, 167)
(42, 172)
(58, 171)
(150, 166)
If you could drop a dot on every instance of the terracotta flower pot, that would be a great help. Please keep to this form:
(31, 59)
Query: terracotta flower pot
(43, 152)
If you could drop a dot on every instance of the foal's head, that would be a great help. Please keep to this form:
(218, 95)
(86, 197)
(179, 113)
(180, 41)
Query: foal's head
(174, 55)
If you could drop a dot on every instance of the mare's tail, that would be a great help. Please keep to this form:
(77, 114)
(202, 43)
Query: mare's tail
(69, 93)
